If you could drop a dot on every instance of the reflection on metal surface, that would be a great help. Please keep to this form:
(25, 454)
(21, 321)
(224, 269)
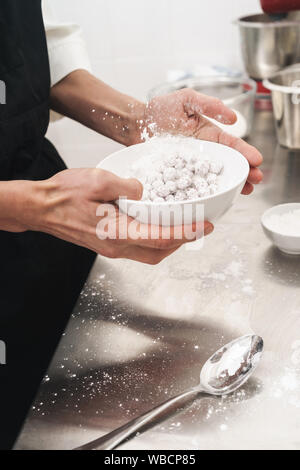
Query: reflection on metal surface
(284, 87)
(140, 334)
(268, 46)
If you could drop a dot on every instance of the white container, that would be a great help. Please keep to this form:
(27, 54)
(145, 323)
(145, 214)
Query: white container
(287, 243)
(232, 180)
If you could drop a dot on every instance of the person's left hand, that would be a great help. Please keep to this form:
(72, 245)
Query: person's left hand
(183, 113)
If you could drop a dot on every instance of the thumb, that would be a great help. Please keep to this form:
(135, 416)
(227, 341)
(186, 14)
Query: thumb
(132, 188)
(199, 104)
(112, 187)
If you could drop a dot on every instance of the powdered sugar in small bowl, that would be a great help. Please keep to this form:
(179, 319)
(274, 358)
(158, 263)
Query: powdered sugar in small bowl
(281, 224)
(228, 169)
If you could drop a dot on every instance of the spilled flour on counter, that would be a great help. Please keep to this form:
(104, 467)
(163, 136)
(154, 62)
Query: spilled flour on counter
(287, 385)
(235, 272)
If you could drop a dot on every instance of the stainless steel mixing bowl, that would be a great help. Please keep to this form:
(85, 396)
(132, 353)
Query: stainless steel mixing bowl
(268, 46)
(285, 88)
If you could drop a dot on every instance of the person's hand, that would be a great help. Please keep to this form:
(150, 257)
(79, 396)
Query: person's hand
(183, 113)
(75, 205)
(84, 98)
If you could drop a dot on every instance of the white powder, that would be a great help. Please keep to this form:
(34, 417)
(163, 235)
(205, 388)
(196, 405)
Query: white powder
(232, 362)
(286, 224)
(235, 269)
(223, 427)
(290, 381)
(177, 174)
(296, 354)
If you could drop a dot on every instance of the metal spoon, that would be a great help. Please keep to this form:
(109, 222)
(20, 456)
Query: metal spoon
(226, 371)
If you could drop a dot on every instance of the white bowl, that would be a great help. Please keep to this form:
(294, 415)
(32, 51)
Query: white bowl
(287, 243)
(232, 180)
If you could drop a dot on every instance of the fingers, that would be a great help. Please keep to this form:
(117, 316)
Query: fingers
(147, 255)
(213, 133)
(255, 176)
(160, 249)
(197, 104)
(150, 250)
(109, 187)
(145, 243)
(248, 189)
(253, 156)
(165, 238)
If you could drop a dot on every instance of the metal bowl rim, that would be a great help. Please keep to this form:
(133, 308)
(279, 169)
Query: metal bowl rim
(267, 83)
(243, 21)
(243, 79)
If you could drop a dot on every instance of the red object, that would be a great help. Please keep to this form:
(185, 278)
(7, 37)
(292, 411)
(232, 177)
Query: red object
(263, 100)
(279, 6)
(263, 104)
(262, 89)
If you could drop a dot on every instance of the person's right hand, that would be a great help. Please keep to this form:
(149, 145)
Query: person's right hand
(71, 201)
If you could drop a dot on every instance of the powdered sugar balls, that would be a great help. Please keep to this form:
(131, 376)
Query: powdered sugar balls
(178, 177)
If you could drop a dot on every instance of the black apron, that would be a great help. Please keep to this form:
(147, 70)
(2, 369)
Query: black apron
(40, 276)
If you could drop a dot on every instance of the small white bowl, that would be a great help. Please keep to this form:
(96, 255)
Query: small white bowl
(289, 244)
(232, 180)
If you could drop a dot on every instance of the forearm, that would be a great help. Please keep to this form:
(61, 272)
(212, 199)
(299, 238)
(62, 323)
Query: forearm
(21, 205)
(84, 98)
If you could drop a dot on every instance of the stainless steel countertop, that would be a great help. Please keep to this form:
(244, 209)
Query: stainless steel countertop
(139, 334)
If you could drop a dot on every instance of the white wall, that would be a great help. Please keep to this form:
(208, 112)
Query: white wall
(132, 44)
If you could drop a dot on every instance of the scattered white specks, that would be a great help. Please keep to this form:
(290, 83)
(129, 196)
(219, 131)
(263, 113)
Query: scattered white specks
(295, 359)
(290, 381)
